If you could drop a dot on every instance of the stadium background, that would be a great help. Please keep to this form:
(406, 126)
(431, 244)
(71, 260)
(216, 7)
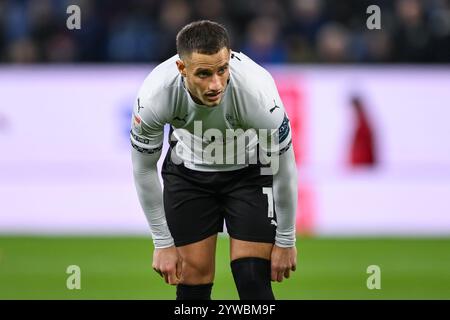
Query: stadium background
(369, 110)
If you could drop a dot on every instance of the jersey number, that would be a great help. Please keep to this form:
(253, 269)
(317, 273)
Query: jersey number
(269, 193)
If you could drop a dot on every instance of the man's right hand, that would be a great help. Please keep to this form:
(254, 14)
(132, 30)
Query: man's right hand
(167, 262)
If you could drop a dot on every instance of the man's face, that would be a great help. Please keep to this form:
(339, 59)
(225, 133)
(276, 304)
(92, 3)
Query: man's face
(206, 76)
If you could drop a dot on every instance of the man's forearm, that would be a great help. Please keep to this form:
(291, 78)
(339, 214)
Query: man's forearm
(285, 197)
(149, 192)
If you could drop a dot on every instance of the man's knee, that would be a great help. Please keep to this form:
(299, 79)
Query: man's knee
(252, 278)
(197, 272)
(198, 267)
(198, 261)
(196, 281)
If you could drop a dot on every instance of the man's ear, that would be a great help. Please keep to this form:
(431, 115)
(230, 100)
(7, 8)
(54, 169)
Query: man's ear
(181, 67)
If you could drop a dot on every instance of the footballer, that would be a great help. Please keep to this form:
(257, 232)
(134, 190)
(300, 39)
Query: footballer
(205, 92)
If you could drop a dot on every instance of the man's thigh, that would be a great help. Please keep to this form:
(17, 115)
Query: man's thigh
(244, 249)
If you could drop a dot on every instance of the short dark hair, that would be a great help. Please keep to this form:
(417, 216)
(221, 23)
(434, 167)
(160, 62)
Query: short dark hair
(204, 36)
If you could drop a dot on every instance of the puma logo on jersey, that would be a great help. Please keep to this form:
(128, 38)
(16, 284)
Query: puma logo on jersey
(273, 222)
(272, 109)
(139, 106)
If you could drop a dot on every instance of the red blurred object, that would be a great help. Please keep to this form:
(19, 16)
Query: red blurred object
(362, 151)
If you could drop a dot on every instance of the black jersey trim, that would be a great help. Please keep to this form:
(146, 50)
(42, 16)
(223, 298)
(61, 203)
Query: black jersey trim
(146, 150)
(139, 139)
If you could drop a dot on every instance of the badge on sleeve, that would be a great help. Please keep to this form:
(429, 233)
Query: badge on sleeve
(137, 122)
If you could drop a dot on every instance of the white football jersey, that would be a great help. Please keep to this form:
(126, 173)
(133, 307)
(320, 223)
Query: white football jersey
(250, 105)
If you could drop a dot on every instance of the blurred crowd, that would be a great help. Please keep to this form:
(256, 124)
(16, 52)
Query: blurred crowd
(269, 31)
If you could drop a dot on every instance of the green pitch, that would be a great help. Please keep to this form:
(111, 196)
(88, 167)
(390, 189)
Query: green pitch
(120, 268)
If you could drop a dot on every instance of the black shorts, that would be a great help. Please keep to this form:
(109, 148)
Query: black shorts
(197, 203)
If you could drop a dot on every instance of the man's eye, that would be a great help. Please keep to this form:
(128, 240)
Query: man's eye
(222, 70)
(203, 74)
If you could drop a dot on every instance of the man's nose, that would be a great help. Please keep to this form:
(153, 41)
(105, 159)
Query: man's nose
(215, 84)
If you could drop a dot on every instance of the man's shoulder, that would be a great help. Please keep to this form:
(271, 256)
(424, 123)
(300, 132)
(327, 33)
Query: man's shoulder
(256, 94)
(247, 71)
(163, 78)
(250, 80)
(157, 93)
